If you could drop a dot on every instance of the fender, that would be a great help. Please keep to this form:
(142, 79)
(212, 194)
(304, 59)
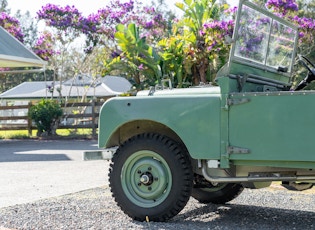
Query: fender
(195, 119)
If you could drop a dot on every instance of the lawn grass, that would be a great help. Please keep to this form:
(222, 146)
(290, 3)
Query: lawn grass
(69, 132)
(16, 134)
(23, 134)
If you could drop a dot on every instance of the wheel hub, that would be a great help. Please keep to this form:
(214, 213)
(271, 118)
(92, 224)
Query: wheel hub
(146, 178)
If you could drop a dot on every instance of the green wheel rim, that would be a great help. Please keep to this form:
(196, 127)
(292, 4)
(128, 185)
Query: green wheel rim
(146, 178)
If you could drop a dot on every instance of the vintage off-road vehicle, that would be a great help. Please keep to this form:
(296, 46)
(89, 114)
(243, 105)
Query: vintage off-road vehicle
(211, 142)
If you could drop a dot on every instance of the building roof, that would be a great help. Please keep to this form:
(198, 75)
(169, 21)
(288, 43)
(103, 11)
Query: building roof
(14, 54)
(76, 87)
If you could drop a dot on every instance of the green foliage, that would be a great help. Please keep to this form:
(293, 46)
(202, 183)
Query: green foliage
(144, 58)
(173, 55)
(137, 58)
(306, 8)
(186, 56)
(198, 12)
(8, 81)
(46, 115)
(196, 49)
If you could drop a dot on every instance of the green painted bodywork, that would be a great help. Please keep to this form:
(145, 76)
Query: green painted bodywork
(251, 119)
(276, 126)
(189, 116)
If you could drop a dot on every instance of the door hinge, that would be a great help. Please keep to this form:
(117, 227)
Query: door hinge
(235, 150)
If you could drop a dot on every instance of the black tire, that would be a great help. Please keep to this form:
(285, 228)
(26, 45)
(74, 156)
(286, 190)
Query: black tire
(219, 194)
(151, 177)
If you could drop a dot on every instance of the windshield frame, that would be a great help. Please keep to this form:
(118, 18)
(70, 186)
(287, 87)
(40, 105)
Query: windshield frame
(234, 57)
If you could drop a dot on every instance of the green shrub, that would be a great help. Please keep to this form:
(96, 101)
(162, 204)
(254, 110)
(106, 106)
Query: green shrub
(46, 115)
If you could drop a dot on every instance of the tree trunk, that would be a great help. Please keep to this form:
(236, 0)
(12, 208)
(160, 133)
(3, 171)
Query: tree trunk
(203, 66)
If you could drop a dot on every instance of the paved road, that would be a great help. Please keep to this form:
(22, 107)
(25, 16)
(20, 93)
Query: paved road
(31, 170)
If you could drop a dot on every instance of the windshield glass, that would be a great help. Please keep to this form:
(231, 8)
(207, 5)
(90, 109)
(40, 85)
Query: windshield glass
(264, 40)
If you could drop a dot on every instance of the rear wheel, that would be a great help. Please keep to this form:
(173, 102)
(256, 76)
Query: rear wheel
(220, 193)
(151, 177)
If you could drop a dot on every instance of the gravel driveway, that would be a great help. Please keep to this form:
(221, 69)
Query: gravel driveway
(36, 175)
(271, 208)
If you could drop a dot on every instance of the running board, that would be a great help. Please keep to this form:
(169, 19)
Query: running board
(252, 179)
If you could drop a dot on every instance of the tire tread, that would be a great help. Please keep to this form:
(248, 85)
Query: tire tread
(179, 154)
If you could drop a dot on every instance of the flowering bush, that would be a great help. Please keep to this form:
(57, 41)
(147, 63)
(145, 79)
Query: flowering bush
(66, 20)
(63, 18)
(289, 9)
(12, 25)
(215, 34)
(147, 18)
(44, 46)
(100, 28)
(282, 6)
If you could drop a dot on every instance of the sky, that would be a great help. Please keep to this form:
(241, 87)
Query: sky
(85, 6)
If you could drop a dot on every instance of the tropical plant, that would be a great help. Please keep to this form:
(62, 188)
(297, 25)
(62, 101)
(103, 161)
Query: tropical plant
(199, 49)
(135, 56)
(46, 115)
(173, 56)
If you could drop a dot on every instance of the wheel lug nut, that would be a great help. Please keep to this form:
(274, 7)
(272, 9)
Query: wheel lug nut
(139, 172)
(149, 188)
(156, 178)
(139, 184)
(149, 168)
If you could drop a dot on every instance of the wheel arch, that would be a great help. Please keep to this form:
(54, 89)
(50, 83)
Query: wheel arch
(135, 127)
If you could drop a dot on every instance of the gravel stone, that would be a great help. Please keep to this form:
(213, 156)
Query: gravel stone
(270, 208)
